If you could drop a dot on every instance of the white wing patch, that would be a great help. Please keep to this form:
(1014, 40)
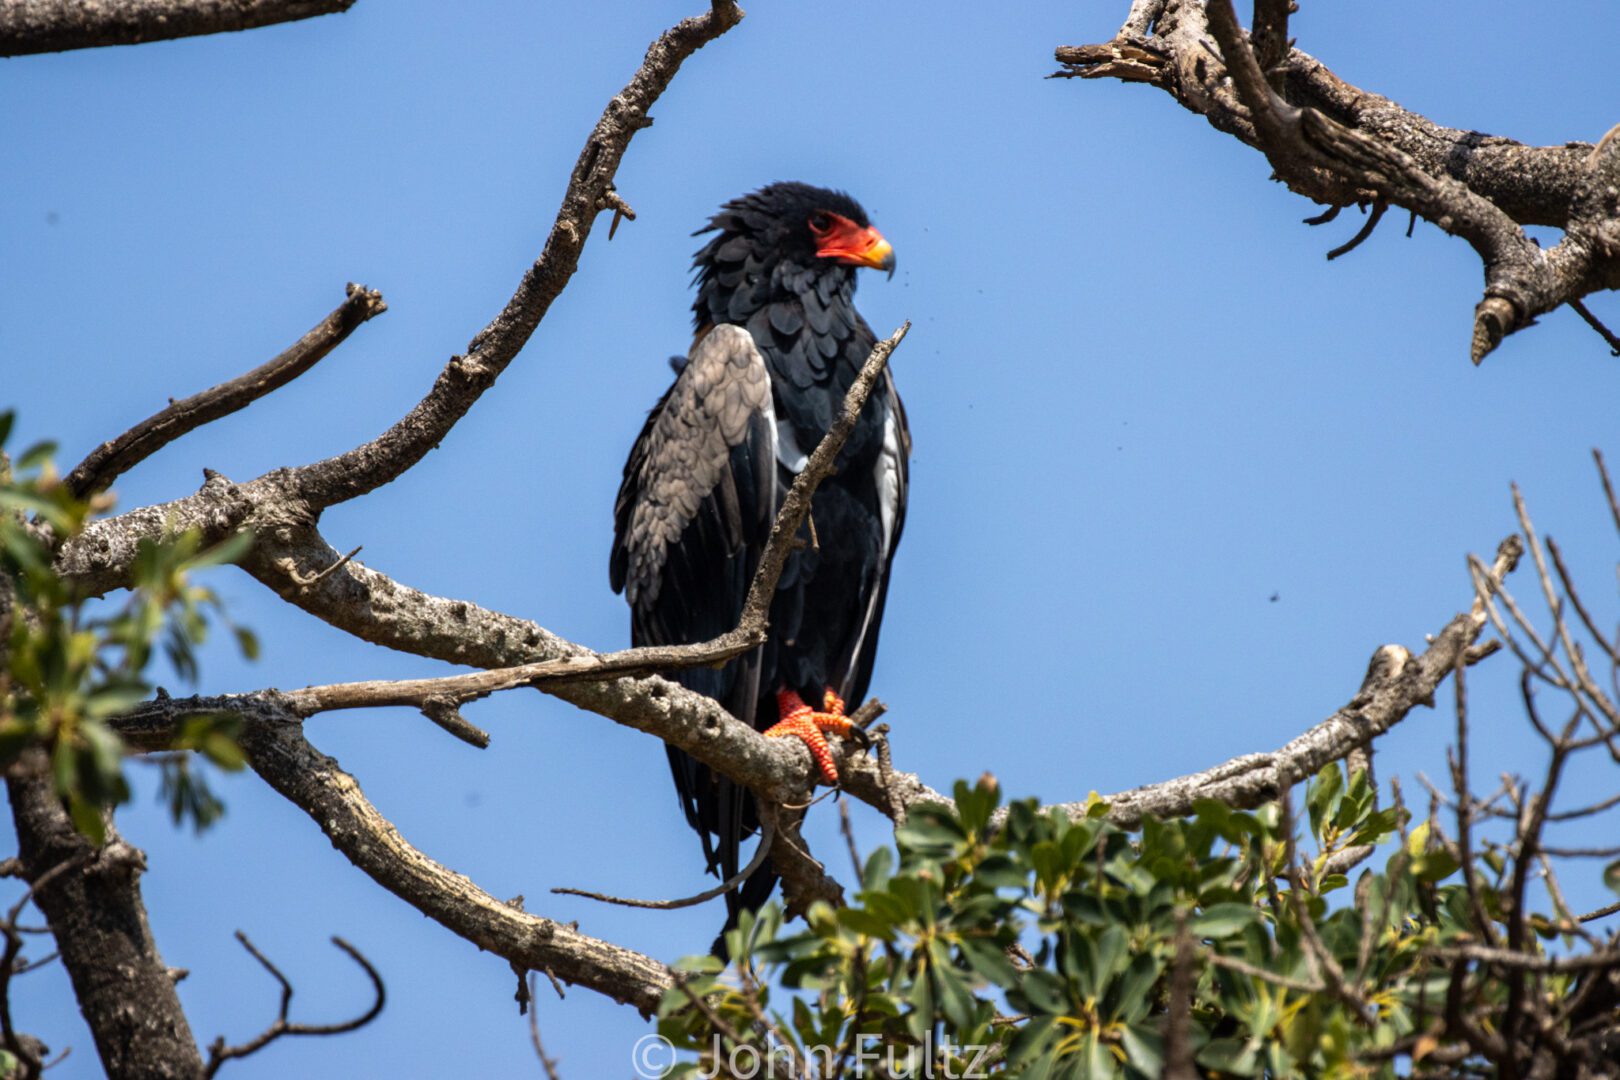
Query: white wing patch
(889, 479)
(788, 454)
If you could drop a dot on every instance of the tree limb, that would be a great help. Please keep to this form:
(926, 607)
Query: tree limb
(278, 751)
(98, 919)
(1337, 144)
(98, 561)
(112, 459)
(466, 377)
(45, 26)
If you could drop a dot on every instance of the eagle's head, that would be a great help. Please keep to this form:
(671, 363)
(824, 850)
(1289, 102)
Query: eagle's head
(781, 237)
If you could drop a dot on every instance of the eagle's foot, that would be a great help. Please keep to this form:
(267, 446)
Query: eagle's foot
(799, 721)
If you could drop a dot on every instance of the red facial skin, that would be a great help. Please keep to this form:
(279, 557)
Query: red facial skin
(841, 240)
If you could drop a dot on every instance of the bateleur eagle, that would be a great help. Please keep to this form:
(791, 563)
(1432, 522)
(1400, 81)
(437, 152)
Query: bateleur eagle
(777, 346)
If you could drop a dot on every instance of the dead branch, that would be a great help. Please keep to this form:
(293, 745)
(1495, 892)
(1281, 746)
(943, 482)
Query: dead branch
(465, 378)
(45, 26)
(219, 1053)
(21, 1046)
(767, 836)
(1395, 684)
(1339, 145)
(549, 1064)
(283, 758)
(98, 560)
(112, 459)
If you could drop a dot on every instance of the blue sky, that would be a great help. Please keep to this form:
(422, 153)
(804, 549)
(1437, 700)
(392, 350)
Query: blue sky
(1175, 477)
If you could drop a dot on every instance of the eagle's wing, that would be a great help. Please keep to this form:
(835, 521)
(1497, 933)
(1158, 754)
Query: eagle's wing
(693, 515)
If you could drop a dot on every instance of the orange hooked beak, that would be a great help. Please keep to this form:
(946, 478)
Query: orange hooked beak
(853, 245)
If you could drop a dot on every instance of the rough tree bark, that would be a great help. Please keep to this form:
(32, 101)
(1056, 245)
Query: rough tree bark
(43, 26)
(1341, 145)
(94, 910)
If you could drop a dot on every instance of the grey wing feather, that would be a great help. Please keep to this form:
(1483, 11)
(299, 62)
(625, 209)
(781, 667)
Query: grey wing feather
(722, 395)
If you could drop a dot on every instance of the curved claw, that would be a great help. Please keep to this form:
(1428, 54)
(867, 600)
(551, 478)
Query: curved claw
(799, 721)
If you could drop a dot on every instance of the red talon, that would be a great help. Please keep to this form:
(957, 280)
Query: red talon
(799, 721)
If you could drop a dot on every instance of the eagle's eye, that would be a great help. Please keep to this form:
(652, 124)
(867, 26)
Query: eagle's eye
(820, 222)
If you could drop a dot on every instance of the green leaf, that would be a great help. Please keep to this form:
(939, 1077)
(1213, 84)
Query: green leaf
(247, 641)
(928, 836)
(7, 418)
(975, 804)
(1222, 920)
(223, 751)
(1144, 1048)
(1436, 865)
(863, 921)
(989, 960)
(1031, 1039)
(35, 456)
(1611, 875)
(1110, 957)
(700, 965)
(1230, 1056)
(1044, 992)
(87, 819)
(1130, 996)
(1322, 796)
(65, 768)
(920, 1021)
(229, 550)
(956, 1001)
(879, 866)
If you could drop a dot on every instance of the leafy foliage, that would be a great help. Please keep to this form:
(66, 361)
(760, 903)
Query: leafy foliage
(1041, 946)
(70, 664)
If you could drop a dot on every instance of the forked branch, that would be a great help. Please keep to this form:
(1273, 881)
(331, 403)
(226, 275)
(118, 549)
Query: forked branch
(219, 1053)
(1341, 145)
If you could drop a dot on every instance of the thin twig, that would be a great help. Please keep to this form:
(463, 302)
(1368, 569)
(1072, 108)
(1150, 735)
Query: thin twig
(30, 1062)
(1178, 1057)
(1366, 230)
(219, 1053)
(546, 1063)
(1597, 324)
(316, 579)
(761, 850)
(1601, 913)
(1243, 967)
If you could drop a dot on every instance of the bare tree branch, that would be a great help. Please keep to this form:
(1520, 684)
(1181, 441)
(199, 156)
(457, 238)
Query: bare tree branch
(549, 1064)
(98, 561)
(1339, 145)
(279, 753)
(112, 459)
(767, 835)
(1396, 682)
(465, 378)
(44, 26)
(219, 1053)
